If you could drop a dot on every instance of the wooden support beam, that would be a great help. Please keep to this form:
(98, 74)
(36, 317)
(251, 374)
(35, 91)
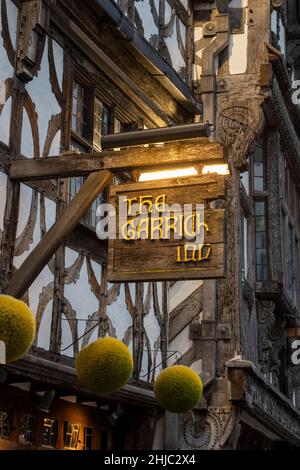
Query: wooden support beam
(58, 233)
(65, 166)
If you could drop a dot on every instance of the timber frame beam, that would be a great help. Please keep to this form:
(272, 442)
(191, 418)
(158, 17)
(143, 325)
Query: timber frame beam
(192, 151)
(57, 234)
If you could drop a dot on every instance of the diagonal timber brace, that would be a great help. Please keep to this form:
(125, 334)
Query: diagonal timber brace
(58, 233)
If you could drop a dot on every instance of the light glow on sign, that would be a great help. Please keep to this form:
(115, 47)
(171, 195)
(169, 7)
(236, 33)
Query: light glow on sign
(167, 174)
(221, 169)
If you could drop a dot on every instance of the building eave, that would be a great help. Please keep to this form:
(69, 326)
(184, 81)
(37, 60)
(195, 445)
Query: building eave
(61, 376)
(151, 59)
(250, 390)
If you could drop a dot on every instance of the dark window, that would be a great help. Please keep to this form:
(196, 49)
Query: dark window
(244, 245)
(91, 119)
(71, 434)
(102, 118)
(49, 432)
(88, 438)
(104, 440)
(5, 423)
(27, 429)
(80, 110)
(259, 169)
(261, 241)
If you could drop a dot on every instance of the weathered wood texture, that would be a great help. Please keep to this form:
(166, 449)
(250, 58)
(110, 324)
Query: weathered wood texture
(103, 48)
(157, 259)
(58, 233)
(185, 313)
(185, 152)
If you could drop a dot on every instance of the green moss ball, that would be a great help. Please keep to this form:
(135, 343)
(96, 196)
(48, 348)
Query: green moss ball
(17, 327)
(104, 366)
(178, 389)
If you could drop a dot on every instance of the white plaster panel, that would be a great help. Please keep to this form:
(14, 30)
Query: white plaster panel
(238, 44)
(12, 16)
(27, 148)
(24, 208)
(58, 54)
(197, 366)
(5, 122)
(44, 99)
(45, 328)
(24, 211)
(151, 325)
(6, 69)
(66, 337)
(282, 37)
(274, 16)
(238, 3)
(238, 48)
(119, 315)
(180, 291)
(43, 280)
(79, 294)
(181, 343)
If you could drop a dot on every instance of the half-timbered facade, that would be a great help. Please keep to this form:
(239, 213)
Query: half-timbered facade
(73, 72)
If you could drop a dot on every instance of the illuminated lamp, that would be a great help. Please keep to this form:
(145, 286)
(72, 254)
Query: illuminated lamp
(167, 174)
(220, 169)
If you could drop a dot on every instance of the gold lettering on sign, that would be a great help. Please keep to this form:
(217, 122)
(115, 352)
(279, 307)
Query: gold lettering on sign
(193, 253)
(150, 219)
(137, 205)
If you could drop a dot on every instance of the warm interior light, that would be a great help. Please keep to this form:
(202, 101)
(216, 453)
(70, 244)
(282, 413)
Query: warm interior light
(221, 169)
(166, 174)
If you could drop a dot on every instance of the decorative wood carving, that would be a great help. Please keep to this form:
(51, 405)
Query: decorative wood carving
(33, 22)
(210, 431)
(271, 339)
(241, 120)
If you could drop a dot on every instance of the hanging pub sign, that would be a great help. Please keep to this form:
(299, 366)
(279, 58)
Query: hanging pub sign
(167, 230)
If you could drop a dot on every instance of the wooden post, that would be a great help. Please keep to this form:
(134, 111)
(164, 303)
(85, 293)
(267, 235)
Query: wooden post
(58, 233)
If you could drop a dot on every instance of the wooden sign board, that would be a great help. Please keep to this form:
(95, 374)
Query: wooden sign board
(153, 246)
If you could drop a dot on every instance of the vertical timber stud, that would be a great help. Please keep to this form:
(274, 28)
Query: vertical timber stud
(58, 233)
(62, 194)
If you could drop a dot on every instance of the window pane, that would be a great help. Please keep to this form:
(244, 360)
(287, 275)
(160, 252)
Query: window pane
(80, 110)
(261, 256)
(27, 428)
(49, 432)
(258, 184)
(261, 271)
(260, 224)
(101, 122)
(260, 208)
(258, 169)
(71, 433)
(4, 424)
(261, 240)
(88, 438)
(259, 154)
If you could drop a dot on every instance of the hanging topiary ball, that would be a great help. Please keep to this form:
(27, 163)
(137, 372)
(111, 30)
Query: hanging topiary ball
(17, 327)
(178, 389)
(104, 366)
